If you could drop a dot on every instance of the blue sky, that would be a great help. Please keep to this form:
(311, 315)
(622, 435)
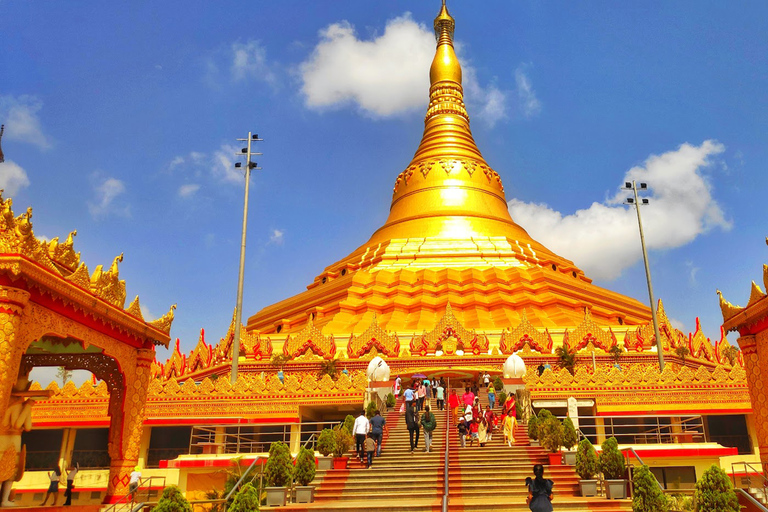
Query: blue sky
(122, 117)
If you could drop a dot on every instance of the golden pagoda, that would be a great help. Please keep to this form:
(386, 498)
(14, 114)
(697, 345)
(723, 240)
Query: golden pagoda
(449, 238)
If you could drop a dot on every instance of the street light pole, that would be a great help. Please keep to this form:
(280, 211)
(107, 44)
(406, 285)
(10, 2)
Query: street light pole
(239, 307)
(637, 203)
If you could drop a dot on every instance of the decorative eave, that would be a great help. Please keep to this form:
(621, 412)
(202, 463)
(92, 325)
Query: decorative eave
(752, 318)
(373, 338)
(449, 328)
(589, 332)
(525, 337)
(310, 339)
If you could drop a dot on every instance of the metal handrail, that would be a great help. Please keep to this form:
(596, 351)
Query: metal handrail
(750, 466)
(630, 449)
(128, 499)
(445, 462)
(240, 481)
(752, 500)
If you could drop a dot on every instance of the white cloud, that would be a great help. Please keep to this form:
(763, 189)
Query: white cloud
(19, 114)
(147, 314)
(223, 164)
(188, 190)
(383, 76)
(692, 271)
(106, 190)
(249, 60)
(603, 239)
(488, 104)
(277, 237)
(12, 178)
(529, 103)
(677, 324)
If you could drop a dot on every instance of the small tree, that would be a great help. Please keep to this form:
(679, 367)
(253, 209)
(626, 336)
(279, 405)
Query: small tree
(172, 500)
(343, 441)
(391, 400)
(714, 492)
(570, 437)
(586, 460)
(63, 375)
(305, 467)
(566, 358)
(328, 367)
(682, 352)
(326, 442)
(611, 461)
(370, 409)
(502, 398)
(246, 499)
(349, 423)
(616, 352)
(648, 496)
(731, 353)
(533, 428)
(279, 360)
(278, 471)
(551, 434)
(498, 384)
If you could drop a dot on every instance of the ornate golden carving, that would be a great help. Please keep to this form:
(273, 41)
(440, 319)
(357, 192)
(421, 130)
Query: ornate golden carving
(64, 253)
(589, 332)
(108, 285)
(176, 365)
(440, 338)
(755, 294)
(164, 322)
(374, 338)
(80, 277)
(310, 339)
(201, 356)
(701, 346)
(728, 310)
(135, 309)
(525, 335)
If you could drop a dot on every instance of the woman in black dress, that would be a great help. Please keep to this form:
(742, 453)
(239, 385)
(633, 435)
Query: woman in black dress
(539, 491)
(53, 489)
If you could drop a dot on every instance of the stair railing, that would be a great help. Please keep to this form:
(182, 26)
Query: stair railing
(748, 476)
(759, 506)
(445, 462)
(237, 485)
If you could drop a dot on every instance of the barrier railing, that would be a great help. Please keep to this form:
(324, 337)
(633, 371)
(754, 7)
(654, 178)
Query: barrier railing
(143, 494)
(446, 460)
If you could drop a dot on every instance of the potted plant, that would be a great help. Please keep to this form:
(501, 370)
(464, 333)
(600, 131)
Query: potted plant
(586, 467)
(390, 401)
(326, 443)
(304, 473)
(714, 492)
(370, 409)
(342, 443)
(349, 423)
(611, 463)
(551, 437)
(647, 495)
(278, 472)
(172, 500)
(498, 384)
(246, 499)
(533, 430)
(570, 439)
(502, 399)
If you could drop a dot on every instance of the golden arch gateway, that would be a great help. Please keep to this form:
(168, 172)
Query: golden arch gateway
(54, 312)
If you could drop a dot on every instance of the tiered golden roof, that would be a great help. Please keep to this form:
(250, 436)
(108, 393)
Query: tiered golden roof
(449, 238)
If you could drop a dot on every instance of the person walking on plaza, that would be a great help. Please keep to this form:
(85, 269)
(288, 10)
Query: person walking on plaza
(428, 423)
(490, 419)
(53, 488)
(491, 395)
(486, 379)
(133, 481)
(370, 448)
(509, 424)
(474, 433)
(453, 403)
(360, 430)
(463, 432)
(410, 395)
(412, 422)
(396, 386)
(440, 396)
(71, 473)
(539, 491)
(378, 424)
(482, 431)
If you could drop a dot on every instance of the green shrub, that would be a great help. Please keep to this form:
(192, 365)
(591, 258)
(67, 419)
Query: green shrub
(611, 461)
(246, 499)
(305, 469)
(714, 492)
(586, 460)
(172, 500)
(349, 423)
(551, 434)
(570, 437)
(648, 496)
(680, 503)
(391, 400)
(502, 398)
(542, 417)
(498, 384)
(326, 442)
(533, 428)
(278, 471)
(370, 409)
(342, 441)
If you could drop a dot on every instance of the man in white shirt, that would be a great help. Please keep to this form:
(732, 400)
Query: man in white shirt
(360, 430)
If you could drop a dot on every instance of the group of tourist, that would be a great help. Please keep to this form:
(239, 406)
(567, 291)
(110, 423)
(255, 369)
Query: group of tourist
(369, 435)
(423, 390)
(54, 476)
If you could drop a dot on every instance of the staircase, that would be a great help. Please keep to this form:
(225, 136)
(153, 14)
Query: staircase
(480, 479)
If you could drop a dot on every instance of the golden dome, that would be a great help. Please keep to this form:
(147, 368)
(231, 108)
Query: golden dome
(449, 237)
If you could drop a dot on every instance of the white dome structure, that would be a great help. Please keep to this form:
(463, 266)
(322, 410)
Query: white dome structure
(378, 370)
(514, 367)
